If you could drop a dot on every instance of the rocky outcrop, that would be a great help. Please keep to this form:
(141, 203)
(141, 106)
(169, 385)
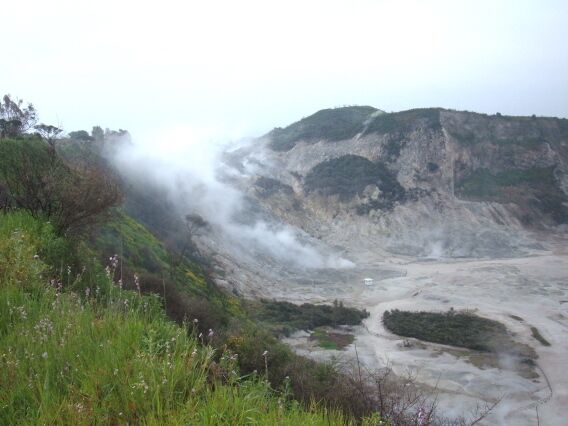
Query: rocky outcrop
(426, 182)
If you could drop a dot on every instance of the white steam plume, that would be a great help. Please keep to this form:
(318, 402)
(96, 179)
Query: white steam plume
(185, 163)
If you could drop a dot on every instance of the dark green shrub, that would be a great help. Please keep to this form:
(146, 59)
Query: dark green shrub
(448, 328)
(71, 196)
(534, 188)
(286, 316)
(266, 187)
(328, 124)
(178, 305)
(405, 121)
(349, 175)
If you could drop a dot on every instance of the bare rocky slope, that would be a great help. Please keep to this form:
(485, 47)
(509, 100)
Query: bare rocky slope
(424, 182)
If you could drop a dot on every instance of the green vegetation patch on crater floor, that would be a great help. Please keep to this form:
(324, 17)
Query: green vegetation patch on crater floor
(285, 317)
(536, 334)
(328, 339)
(461, 329)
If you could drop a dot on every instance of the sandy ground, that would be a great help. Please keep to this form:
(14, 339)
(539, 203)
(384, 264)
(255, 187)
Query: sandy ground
(532, 288)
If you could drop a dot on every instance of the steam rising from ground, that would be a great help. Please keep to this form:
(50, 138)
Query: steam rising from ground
(185, 162)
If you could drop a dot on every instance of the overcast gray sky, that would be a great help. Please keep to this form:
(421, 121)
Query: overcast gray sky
(248, 66)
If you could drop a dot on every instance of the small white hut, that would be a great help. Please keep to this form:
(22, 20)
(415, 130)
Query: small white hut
(368, 281)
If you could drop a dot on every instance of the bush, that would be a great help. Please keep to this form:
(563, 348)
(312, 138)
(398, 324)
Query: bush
(535, 188)
(349, 175)
(449, 328)
(179, 306)
(307, 380)
(15, 119)
(328, 124)
(70, 195)
(405, 121)
(287, 316)
(484, 184)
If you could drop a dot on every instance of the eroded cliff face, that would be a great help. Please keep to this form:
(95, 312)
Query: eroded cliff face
(427, 182)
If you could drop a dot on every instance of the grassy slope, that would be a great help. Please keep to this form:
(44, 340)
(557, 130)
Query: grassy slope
(108, 355)
(145, 253)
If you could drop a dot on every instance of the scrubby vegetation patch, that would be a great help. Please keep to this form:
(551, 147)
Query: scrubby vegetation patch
(329, 339)
(405, 121)
(265, 187)
(536, 334)
(349, 175)
(286, 317)
(328, 124)
(535, 187)
(453, 328)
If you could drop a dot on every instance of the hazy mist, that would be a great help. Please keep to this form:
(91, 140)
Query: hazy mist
(253, 65)
(185, 163)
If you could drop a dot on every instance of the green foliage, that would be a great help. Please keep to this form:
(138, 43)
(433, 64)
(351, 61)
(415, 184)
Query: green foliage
(137, 246)
(505, 132)
(48, 132)
(285, 317)
(450, 328)
(97, 133)
(147, 204)
(18, 249)
(72, 195)
(112, 357)
(533, 188)
(536, 334)
(405, 121)
(162, 270)
(330, 340)
(348, 176)
(328, 124)
(62, 260)
(15, 118)
(265, 187)
(81, 135)
(482, 183)
(307, 380)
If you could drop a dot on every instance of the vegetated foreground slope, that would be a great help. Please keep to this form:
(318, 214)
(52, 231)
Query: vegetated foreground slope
(97, 352)
(80, 341)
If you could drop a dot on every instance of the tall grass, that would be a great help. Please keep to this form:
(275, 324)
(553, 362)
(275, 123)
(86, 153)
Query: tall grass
(98, 354)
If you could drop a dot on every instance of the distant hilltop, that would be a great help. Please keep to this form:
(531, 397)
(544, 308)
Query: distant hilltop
(476, 181)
